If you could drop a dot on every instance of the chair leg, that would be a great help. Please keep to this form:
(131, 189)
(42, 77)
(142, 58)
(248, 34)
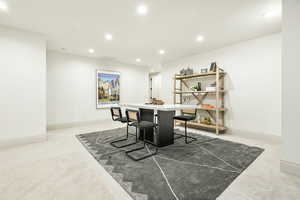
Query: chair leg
(185, 135)
(136, 134)
(185, 132)
(140, 148)
(127, 130)
(113, 143)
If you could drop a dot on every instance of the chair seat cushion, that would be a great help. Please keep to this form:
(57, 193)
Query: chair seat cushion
(122, 119)
(184, 117)
(143, 124)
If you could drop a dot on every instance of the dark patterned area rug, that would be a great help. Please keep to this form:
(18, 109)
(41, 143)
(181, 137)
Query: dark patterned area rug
(201, 170)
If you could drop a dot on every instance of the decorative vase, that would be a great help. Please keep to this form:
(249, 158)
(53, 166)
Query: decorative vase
(199, 86)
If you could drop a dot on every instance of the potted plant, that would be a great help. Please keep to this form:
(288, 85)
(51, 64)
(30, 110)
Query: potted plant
(197, 87)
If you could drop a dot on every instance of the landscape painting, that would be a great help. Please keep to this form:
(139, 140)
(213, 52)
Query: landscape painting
(108, 88)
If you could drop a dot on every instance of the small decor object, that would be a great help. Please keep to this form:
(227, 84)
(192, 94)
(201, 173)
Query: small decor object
(108, 89)
(182, 72)
(157, 102)
(213, 67)
(204, 71)
(210, 89)
(195, 88)
(189, 71)
(206, 120)
(207, 106)
(199, 86)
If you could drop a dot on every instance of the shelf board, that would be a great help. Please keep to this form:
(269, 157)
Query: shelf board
(208, 109)
(178, 77)
(201, 125)
(201, 92)
(213, 109)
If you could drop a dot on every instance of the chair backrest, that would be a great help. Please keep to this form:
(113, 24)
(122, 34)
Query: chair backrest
(189, 112)
(133, 115)
(116, 113)
(146, 114)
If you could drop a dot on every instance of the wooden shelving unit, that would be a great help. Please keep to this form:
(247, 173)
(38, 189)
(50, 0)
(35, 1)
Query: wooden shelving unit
(216, 114)
(195, 92)
(205, 126)
(199, 75)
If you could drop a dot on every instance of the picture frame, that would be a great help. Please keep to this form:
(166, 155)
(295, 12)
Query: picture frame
(213, 67)
(107, 89)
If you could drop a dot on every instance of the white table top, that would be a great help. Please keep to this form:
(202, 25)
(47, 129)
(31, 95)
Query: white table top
(166, 107)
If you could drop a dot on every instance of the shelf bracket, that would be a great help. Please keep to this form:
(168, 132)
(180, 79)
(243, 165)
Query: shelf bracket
(211, 116)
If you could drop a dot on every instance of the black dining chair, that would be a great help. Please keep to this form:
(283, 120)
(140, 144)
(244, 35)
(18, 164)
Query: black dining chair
(187, 115)
(134, 119)
(116, 115)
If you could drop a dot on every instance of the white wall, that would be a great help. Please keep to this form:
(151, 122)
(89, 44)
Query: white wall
(253, 82)
(22, 85)
(290, 85)
(156, 85)
(72, 87)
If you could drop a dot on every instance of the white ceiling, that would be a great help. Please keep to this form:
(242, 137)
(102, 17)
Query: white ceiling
(173, 25)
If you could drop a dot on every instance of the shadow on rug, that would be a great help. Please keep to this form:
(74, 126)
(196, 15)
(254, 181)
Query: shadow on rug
(196, 171)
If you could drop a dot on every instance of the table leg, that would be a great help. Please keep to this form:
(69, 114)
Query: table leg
(165, 130)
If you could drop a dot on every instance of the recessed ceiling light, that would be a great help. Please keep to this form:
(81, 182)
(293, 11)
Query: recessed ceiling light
(161, 52)
(138, 60)
(272, 13)
(91, 51)
(3, 5)
(142, 10)
(108, 36)
(199, 38)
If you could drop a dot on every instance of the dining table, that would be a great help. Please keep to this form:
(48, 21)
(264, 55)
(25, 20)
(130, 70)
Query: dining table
(163, 116)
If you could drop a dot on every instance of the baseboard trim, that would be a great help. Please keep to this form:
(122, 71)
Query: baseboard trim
(268, 138)
(4, 144)
(290, 168)
(71, 124)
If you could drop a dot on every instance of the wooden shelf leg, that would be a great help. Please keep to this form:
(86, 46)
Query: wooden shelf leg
(217, 100)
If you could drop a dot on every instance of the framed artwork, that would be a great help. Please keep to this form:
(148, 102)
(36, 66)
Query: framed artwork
(108, 88)
(213, 67)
